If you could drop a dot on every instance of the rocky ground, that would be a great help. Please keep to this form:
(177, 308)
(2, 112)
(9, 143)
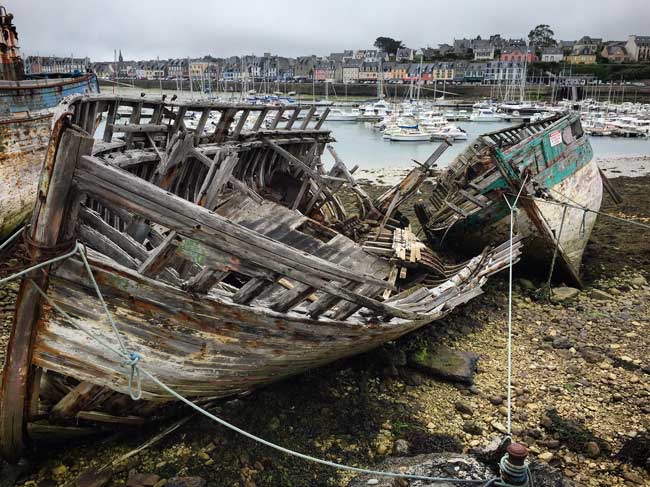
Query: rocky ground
(581, 397)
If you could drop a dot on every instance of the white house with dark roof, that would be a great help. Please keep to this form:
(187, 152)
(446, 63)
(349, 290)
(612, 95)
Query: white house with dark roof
(638, 48)
(483, 50)
(552, 55)
(404, 54)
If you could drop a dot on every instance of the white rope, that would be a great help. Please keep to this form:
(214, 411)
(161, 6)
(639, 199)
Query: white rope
(577, 206)
(513, 209)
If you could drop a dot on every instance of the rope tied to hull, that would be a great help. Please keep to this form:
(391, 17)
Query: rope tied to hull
(134, 375)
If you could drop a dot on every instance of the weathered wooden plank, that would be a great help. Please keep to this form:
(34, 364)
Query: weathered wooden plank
(211, 230)
(106, 246)
(204, 280)
(136, 128)
(307, 119)
(251, 290)
(41, 431)
(277, 118)
(291, 298)
(241, 122)
(66, 147)
(322, 119)
(221, 177)
(200, 126)
(159, 257)
(260, 119)
(129, 245)
(110, 121)
(74, 401)
(294, 117)
(101, 417)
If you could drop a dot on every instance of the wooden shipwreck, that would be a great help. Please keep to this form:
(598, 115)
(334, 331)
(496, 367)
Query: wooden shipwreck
(25, 123)
(224, 254)
(551, 163)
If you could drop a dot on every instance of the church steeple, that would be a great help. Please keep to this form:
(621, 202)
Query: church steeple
(120, 58)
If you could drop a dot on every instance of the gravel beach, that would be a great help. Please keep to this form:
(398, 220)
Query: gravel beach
(581, 387)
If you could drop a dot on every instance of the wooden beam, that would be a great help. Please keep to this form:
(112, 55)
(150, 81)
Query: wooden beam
(294, 117)
(65, 149)
(307, 119)
(133, 128)
(159, 257)
(110, 120)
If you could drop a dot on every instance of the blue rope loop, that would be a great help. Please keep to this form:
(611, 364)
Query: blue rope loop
(134, 358)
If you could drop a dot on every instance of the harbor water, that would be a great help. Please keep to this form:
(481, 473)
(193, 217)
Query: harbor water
(358, 143)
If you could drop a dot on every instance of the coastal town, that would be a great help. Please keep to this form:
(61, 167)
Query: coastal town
(475, 60)
(389, 265)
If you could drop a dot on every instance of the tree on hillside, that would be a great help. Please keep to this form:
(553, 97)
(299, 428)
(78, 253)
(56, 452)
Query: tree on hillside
(388, 44)
(541, 36)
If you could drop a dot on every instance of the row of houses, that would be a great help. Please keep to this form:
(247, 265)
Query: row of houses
(358, 65)
(54, 64)
(585, 50)
(323, 70)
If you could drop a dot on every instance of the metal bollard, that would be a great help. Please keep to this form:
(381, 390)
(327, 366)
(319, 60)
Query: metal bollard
(514, 469)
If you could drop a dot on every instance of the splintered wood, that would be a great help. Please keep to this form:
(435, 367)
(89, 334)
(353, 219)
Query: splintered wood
(215, 235)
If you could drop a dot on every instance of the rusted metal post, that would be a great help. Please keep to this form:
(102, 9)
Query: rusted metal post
(514, 470)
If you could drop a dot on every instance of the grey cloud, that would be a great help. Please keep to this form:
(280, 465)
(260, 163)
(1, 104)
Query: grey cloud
(165, 28)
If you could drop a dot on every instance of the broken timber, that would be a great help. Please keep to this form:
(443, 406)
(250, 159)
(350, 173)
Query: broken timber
(218, 254)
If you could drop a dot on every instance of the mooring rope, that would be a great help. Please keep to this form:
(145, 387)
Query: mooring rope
(555, 251)
(513, 209)
(577, 206)
(132, 360)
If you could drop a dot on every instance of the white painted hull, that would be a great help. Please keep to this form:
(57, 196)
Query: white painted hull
(410, 138)
(585, 188)
(25, 141)
(454, 136)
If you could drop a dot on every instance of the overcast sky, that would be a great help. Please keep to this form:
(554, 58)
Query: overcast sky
(146, 29)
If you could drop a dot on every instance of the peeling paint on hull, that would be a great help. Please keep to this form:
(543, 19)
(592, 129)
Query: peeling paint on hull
(23, 140)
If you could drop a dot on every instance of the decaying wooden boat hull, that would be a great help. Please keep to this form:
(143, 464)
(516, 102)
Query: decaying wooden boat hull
(551, 160)
(220, 278)
(24, 140)
(25, 118)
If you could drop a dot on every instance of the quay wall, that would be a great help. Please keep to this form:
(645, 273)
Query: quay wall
(451, 92)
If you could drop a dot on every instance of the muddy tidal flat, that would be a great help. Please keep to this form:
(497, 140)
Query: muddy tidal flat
(581, 388)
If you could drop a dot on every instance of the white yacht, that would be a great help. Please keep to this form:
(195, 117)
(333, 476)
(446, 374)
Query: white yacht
(457, 116)
(409, 135)
(432, 120)
(340, 115)
(372, 111)
(450, 131)
(485, 115)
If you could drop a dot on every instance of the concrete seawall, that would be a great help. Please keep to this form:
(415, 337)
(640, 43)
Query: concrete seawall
(451, 92)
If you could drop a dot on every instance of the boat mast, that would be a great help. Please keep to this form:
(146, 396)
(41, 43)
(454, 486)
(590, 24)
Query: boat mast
(522, 90)
(189, 73)
(420, 79)
(380, 78)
